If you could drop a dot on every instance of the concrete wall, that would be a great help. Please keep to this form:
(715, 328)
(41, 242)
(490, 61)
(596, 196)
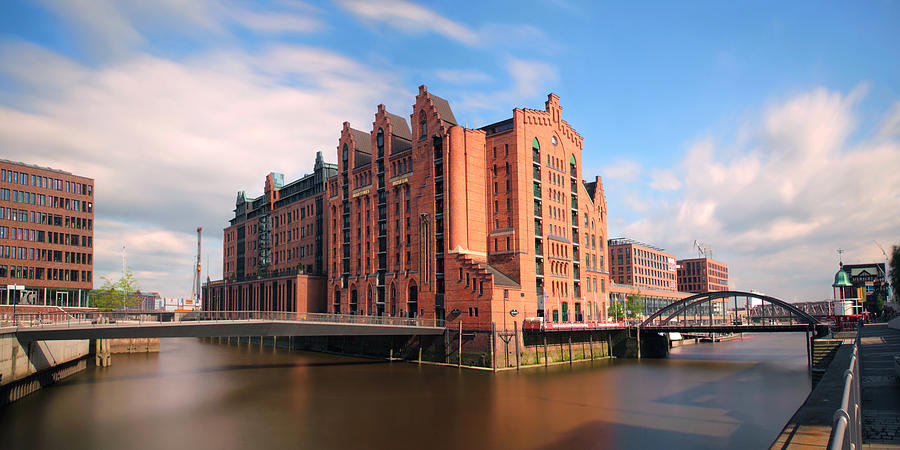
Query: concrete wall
(18, 361)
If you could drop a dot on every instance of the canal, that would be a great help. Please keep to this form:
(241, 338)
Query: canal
(199, 395)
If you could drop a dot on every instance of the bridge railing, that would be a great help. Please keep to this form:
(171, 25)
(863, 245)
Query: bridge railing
(142, 318)
(846, 431)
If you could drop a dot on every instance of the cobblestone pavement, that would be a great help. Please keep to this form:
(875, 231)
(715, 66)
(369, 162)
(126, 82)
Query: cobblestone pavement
(880, 386)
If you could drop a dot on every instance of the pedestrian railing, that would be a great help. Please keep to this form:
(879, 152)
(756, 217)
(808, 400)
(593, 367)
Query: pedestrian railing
(846, 431)
(141, 318)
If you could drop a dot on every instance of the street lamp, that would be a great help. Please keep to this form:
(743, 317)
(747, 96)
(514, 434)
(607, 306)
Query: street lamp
(14, 287)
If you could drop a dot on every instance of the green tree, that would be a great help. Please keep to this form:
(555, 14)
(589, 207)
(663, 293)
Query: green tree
(616, 311)
(117, 294)
(895, 271)
(634, 306)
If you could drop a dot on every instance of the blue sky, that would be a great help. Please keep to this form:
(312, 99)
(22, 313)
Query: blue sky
(769, 131)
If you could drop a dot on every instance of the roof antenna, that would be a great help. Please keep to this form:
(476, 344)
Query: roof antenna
(841, 256)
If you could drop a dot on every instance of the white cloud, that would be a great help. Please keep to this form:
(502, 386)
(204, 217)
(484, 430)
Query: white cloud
(114, 28)
(625, 170)
(410, 18)
(170, 142)
(413, 19)
(664, 180)
(528, 78)
(778, 203)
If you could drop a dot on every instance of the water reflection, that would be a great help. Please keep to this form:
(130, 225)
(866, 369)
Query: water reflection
(204, 395)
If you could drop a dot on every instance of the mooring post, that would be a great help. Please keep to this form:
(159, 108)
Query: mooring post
(459, 353)
(493, 346)
(420, 351)
(591, 340)
(446, 346)
(570, 347)
(516, 337)
(544, 333)
(637, 333)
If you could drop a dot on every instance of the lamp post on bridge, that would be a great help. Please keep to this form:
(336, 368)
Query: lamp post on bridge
(13, 288)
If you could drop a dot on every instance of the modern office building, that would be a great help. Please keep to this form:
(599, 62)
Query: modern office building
(437, 220)
(641, 265)
(702, 275)
(46, 236)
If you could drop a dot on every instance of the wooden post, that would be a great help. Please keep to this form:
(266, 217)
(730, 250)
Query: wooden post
(493, 346)
(545, 349)
(516, 337)
(591, 340)
(570, 347)
(638, 334)
(420, 351)
(446, 346)
(459, 353)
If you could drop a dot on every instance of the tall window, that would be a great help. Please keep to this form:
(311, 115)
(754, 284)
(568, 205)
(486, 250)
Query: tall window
(379, 141)
(423, 125)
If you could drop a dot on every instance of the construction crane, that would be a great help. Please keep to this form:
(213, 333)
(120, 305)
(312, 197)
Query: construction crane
(196, 288)
(703, 250)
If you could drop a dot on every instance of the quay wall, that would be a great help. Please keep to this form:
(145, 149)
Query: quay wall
(473, 348)
(26, 367)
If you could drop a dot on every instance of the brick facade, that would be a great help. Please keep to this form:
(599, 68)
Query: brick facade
(641, 265)
(46, 234)
(702, 275)
(433, 219)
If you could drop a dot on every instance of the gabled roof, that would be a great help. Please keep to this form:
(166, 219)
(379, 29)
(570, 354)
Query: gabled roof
(499, 278)
(399, 125)
(363, 154)
(443, 108)
(363, 140)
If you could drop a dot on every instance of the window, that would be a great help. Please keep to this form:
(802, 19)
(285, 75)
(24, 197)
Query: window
(423, 125)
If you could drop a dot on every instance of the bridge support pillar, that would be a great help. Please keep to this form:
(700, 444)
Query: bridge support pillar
(102, 354)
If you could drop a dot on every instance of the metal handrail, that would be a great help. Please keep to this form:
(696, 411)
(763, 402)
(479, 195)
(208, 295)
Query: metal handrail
(846, 431)
(139, 318)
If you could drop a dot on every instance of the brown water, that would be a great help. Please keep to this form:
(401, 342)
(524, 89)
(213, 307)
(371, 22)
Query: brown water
(199, 395)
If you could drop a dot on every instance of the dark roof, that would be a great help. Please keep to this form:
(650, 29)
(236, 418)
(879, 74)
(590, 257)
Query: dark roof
(400, 145)
(363, 140)
(399, 125)
(591, 188)
(443, 108)
(362, 156)
(499, 278)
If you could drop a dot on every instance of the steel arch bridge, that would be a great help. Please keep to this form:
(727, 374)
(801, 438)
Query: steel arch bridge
(709, 312)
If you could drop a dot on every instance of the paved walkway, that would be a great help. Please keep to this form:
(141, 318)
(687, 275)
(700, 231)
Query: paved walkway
(880, 386)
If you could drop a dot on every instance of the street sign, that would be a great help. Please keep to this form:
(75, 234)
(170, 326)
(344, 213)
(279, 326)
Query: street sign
(514, 312)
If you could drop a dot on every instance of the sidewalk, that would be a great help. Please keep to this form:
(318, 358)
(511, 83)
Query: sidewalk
(880, 386)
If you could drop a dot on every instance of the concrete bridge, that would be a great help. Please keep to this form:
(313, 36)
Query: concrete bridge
(112, 325)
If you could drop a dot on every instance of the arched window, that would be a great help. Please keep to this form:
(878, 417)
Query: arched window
(379, 141)
(573, 166)
(344, 153)
(423, 125)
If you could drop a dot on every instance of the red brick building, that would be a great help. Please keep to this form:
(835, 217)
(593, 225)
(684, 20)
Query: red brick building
(641, 265)
(442, 221)
(46, 235)
(702, 275)
(274, 248)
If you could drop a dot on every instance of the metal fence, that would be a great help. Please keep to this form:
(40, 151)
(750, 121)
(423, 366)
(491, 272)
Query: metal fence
(139, 318)
(846, 432)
